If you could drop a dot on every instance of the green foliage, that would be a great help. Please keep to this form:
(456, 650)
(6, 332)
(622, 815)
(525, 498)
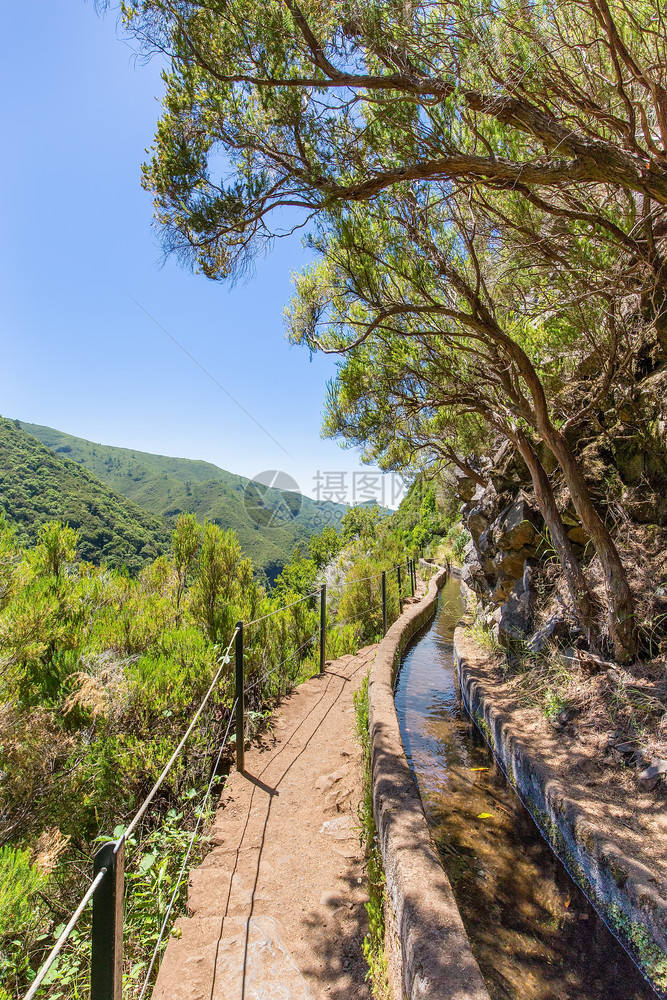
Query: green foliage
(171, 487)
(359, 599)
(325, 546)
(554, 703)
(37, 486)
(21, 910)
(360, 522)
(56, 547)
(20, 881)
(220, 575)
(458, 538)
(300, 574)
(426, 512)
(102, 674)
(185, 542)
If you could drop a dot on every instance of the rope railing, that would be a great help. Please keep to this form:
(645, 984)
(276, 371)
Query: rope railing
(359, 614)
(274, 670)
(109, 865)
(193, 837)
(106, 889)
(285, 607)
(224, 660)
(365, 579)
(62, 940)
(361, 579)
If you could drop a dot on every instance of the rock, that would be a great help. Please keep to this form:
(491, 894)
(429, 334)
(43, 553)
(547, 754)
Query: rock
(629, 459)
(501, 591)
(554, 627)
(649, 778)
(472, 575)
(477, 524)
(493, 618)
(515, 526)
(489, 568)
(516, 612)
(480, 512)
(628, 749)
(511, 564)
(578, 535)
(646, 511)
(465, 485)
(485, 542)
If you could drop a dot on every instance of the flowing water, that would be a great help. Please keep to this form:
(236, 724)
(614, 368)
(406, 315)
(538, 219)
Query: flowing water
(533, 932)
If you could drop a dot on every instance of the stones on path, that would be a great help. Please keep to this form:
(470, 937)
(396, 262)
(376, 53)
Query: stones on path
(650, 777)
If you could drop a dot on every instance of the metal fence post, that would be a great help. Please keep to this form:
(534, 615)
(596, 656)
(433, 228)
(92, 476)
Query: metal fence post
(398, 571)
(323, 626)
(384, 602)
(106, 962)
(240, 707)
(413, 576)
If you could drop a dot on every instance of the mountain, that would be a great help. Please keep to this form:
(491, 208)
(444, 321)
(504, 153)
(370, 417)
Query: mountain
(269, 522)
(37, 485)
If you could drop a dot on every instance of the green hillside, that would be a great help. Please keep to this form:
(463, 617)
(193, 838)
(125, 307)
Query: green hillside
(37, 485)
(166, 487)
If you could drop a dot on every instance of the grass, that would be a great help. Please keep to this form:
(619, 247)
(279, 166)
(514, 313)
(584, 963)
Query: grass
(480, 633)
(374, 943)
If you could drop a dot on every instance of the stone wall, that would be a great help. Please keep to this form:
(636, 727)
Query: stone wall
(427, 943)
(623, 455)
(623, 891)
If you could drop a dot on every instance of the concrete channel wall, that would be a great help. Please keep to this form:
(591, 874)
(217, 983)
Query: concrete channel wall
(622, 890)
(429, 952)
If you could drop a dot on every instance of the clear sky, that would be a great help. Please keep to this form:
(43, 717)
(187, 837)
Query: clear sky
(79, 354)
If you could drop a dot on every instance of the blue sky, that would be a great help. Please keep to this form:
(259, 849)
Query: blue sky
(78, 112)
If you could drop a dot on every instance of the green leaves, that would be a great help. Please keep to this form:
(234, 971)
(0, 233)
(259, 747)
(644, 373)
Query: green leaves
(20, 881)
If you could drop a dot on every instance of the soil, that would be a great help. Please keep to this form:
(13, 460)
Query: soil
(277, 906)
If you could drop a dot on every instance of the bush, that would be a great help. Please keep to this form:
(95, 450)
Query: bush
(20, 881)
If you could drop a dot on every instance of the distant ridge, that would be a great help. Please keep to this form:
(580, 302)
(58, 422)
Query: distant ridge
(37, 485)
(165, 487)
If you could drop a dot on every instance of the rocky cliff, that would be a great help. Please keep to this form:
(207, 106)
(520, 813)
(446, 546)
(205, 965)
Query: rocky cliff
(510, 564)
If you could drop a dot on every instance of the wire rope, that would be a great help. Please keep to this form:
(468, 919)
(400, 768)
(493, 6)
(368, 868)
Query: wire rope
(366, 611)
(58, 946)
(282, 663)
(193, 837)
(278, 610)
(165, 771)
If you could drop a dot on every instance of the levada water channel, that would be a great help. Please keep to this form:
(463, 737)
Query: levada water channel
(532, 931)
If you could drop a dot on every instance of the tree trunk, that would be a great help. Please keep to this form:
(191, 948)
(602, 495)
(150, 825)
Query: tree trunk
(574, 576)
(619, 596)
(620, 605)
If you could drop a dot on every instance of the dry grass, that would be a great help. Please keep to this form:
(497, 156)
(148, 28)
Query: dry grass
(631, 701)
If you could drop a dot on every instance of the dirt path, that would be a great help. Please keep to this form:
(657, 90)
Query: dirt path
(278, 904)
